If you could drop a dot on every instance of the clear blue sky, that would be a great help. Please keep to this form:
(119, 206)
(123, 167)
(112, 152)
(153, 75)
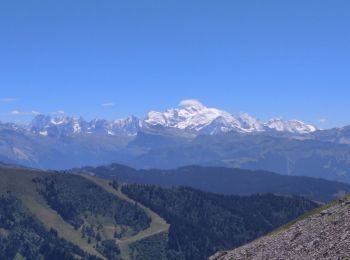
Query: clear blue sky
(268, 58)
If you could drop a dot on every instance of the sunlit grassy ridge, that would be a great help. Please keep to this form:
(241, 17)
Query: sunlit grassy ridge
(19, 183)
(27, 186)
(157, 225)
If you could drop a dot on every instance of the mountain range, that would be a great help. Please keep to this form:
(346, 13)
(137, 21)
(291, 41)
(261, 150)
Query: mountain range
(191, 118)
(190, 134)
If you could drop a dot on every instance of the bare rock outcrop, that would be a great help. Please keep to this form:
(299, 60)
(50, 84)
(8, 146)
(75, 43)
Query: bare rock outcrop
(324, 234)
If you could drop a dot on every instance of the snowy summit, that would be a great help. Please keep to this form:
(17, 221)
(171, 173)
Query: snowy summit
(191, 116)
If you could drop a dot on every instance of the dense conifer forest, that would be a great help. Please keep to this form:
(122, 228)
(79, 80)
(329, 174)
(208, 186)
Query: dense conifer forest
(22, 235)
(202, 223)
(75, 199)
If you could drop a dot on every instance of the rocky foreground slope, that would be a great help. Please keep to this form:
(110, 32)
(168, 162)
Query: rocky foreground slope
(324, 234)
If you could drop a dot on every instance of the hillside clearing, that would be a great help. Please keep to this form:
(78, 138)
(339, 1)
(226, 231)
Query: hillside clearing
(157, 225)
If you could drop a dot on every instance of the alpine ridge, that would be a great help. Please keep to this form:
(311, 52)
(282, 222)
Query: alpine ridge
(192, 117)
(190, 134)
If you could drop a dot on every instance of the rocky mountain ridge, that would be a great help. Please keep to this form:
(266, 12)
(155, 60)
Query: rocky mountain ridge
(192, 117)
(324, 234)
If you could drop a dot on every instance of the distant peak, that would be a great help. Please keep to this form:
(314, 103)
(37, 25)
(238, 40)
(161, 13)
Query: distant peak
(247, 116)
(191, 103)
(192, 116)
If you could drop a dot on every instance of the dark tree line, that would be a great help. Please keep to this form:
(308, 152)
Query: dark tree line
(203, 223)
(75, 198)
(23, 235)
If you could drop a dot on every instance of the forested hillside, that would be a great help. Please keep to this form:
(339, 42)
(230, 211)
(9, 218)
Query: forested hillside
(44, 214)
(66, 215)
(78, 200)
(22, 235)
(202, 223)
(224, 180)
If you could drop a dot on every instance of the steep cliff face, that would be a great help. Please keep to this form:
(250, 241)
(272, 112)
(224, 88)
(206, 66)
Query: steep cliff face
(324, 234)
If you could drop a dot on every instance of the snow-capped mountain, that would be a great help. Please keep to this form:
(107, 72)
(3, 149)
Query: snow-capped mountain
(189, 134)
(54, 126)
(128, 126)
(192, 116)
(291, 126)
(67, 126)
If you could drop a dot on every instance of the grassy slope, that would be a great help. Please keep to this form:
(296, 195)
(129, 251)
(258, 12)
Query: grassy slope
(158, 225)
(19, 182)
